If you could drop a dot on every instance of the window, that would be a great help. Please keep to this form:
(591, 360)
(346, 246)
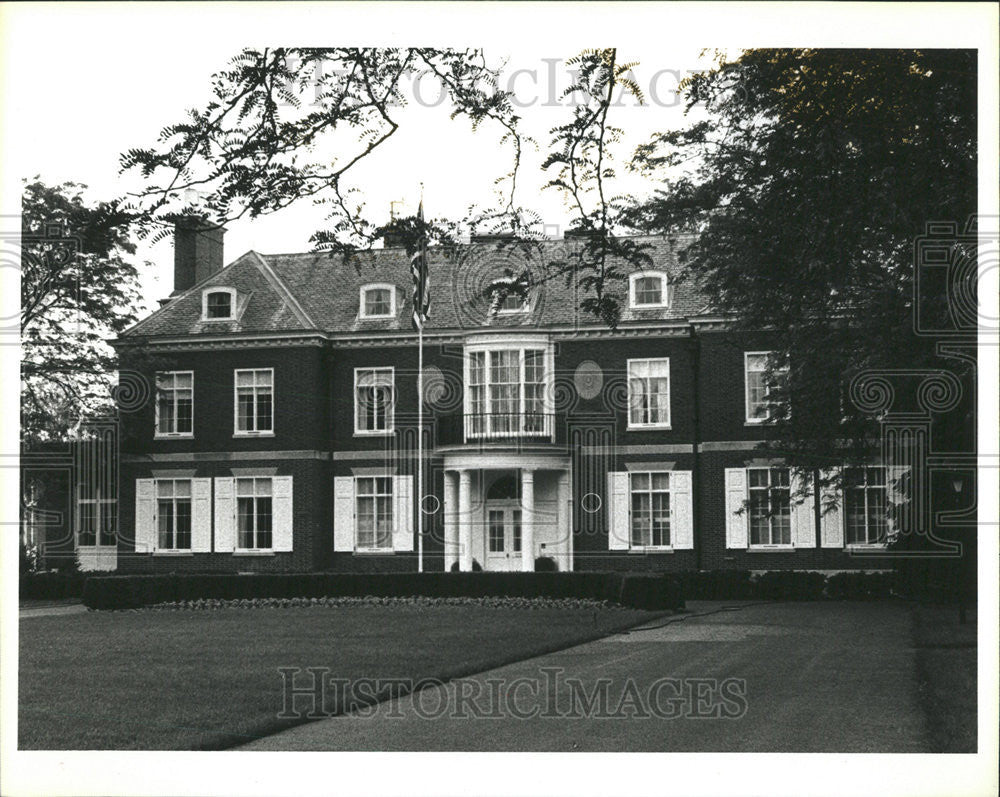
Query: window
(378, 301)
(506, 392)
(173, 514)
(650, 510)
(770, 506)
(373, 400)
(373, 510)
(255, 401)
(758, 399)
(175, 403)
(97, 519)
(649, 393)
(865, 506)
(218, 304)
(254, 514)
(507, 298)
(648, 289)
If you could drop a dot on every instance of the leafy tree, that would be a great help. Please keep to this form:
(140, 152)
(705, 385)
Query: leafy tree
(808, 184)
(78, 288)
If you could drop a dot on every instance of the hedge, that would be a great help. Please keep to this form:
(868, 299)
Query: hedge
(640, 591)
(51, 586)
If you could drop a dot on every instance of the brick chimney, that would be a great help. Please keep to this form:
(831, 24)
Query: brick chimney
(197, 251)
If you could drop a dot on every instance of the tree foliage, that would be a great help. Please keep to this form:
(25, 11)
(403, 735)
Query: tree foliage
(78, 288)
(808, 184)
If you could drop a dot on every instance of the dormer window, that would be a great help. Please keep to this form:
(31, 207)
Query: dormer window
(378, 301)
(218, 304)
(648, 290)
(506, 298)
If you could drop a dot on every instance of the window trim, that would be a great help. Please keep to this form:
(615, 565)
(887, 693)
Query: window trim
(237, 432)
(864, 546)
(664, 290)
(377, 286)
(496, 309)
(632, 548)
(237, 550)
(520, 343)
(390, 420)
(392, 506)
(628, 378)
(748, 420)
(156, 516)
(157, 434)
(204, 303)
(98, 502)
(768, 546)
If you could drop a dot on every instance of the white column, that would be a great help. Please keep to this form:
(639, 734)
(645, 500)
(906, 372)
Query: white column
(465, 519)
(450, 519)
(527, 520)
(565, 520)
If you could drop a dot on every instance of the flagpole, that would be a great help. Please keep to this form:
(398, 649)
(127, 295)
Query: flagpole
(420, 449)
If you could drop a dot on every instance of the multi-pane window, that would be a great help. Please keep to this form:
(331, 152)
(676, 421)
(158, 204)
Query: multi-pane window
(507, 298)
(506, 392)
(649, 392)
(97, 519)
(373, 394)
(255, 401)
(377, 302)
(173, 514)
(175, 403)
(758, 399)
(650, 511)
(373, 512)
(865, 506)
(254, 514)
(770, 511)
(219, 304)
(648, 290)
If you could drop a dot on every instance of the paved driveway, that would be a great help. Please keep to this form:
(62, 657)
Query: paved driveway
(783, 677)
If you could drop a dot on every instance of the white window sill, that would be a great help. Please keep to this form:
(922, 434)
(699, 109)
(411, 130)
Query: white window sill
(662, 306)
(757, 421)
(173, 436)
(97, 548)
(770, 548)
(173, 553)
(373, 551)
(253, 553)
(640, 427)
(381, 317)
(216, 320)
(865, 546)
(652, 549)
(253, 434)
(375, 433)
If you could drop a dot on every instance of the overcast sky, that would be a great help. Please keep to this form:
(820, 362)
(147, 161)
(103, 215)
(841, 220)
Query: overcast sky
(87, 104)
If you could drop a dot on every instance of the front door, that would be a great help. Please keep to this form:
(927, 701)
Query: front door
(503, 536)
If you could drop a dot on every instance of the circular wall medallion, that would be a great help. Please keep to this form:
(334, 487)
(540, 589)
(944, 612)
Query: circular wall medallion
(589, 379)
(591, 503)
(430, 505)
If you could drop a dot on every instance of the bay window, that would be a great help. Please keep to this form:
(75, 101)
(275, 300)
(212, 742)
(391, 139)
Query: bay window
(506, 391)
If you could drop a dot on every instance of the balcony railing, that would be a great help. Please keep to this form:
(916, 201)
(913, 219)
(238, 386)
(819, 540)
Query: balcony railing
(487, 426)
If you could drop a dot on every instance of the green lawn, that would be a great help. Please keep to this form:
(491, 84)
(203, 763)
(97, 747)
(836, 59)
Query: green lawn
(176, 680)
(946, 668)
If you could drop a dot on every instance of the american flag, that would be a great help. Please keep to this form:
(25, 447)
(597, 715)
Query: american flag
(421, 279)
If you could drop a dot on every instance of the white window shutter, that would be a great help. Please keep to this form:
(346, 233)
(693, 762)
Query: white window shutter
(736, 516)
(145, 519)
(201, 515)
(402, 516)
(831, 522)
(283, 519)
(618, 515)
(343, 513)
(225, 514)
(681, 524)
(803, 513)
(899, 515)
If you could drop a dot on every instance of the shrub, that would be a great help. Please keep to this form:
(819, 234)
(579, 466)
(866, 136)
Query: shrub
(546, 564)
(51, 586)
(476, 567)
(790, 585)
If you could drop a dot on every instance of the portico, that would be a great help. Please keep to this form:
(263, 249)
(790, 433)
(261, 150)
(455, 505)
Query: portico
(503, 512)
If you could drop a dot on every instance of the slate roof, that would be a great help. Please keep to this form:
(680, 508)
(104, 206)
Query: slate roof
(321, 291)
